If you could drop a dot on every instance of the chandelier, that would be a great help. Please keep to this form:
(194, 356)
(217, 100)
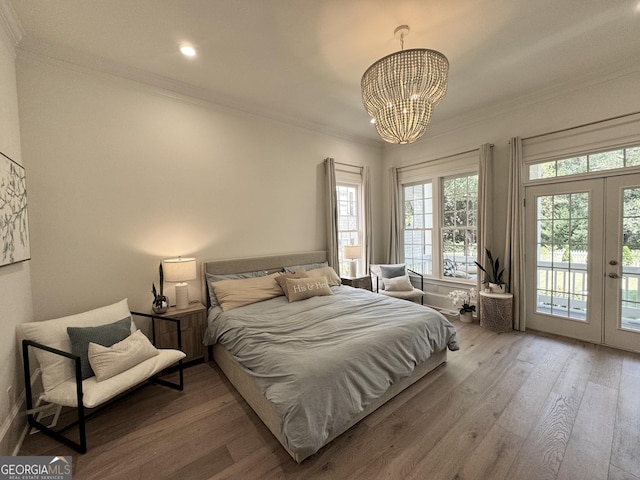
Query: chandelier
(400, 91)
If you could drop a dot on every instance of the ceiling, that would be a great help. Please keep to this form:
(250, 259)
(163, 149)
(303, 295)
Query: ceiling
(301, 61)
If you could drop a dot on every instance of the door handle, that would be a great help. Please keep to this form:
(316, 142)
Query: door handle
(614, 275)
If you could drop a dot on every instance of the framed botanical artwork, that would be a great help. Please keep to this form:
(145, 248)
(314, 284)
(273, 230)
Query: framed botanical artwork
(14, 223)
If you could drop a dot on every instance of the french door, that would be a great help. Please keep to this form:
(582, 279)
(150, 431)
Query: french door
(583, 259)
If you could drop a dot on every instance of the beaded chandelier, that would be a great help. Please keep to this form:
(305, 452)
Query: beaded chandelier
(400, 91)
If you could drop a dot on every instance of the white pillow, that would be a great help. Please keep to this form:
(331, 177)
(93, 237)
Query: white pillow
(108, 362)
(398, 284)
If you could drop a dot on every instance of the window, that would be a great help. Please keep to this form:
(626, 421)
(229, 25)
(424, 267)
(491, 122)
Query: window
(418, 227)
(459, 226)
(349, 220)
(440, 201)
(593, 162)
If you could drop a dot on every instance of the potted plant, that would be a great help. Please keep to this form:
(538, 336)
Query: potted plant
(160, 302)
(492, 273)
(464, 297)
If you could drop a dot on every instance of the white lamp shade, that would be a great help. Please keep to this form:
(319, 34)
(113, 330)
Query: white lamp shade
(179, 269)
(352, 251)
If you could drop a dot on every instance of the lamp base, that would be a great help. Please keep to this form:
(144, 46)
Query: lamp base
(182, 296)
(353, 269)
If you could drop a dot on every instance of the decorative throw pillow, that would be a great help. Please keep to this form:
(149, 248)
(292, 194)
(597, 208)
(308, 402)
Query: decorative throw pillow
(105, 335)
(398, 284)
(237, 293)
(329, 273)
(449, 268)
(282, 280)
(391, 271)
(303, 288)
(107, 362)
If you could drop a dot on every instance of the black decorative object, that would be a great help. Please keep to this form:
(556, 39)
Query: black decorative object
(160, 302)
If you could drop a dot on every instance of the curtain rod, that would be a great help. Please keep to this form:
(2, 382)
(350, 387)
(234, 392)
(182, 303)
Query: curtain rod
(349, 165)
(441, 158)
(581, 126)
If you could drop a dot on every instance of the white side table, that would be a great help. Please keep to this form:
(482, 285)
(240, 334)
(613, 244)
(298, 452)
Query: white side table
(496, 311)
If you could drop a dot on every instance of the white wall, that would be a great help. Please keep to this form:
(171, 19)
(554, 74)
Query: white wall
(15, 288)
(572, 106)
(123, 175)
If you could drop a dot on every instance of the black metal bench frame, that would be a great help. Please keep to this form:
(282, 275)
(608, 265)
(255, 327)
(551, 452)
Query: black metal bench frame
(57, 434)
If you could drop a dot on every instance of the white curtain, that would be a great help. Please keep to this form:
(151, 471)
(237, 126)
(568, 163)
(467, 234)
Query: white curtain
(514, 254)
(396, 217)
(485, 206)
(368, 235)
(332, 212)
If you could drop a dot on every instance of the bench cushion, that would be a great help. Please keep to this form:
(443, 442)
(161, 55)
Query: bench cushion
(96, 393)
(409, 295)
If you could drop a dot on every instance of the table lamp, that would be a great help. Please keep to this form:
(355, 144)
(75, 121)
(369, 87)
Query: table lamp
(180, 270)
(353, 253)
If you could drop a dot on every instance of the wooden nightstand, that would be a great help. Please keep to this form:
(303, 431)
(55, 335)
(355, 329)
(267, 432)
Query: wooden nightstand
(358, 282)
(193, 323)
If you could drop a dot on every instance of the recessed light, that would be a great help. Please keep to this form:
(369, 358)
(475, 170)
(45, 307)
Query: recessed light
(187, 50)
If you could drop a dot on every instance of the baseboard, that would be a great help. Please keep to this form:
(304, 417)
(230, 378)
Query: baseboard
(14, 428)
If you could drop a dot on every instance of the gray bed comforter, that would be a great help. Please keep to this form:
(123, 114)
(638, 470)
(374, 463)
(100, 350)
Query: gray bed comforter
(321, 361)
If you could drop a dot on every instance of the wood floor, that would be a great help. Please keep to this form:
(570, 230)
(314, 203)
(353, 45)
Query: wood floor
(506, 406)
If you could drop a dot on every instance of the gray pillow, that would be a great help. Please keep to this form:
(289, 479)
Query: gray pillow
(105, 335)
(392, 271)
(308, 266)
(211, 277)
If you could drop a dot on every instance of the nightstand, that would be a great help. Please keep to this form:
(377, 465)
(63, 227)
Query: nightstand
(193, 323)
(358, 282)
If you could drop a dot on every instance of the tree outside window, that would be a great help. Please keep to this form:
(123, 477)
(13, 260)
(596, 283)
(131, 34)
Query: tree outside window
(450, 207)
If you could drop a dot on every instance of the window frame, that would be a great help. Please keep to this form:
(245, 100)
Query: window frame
(423, 229)
(351, 177)
(444, 227)
(436, 171)
(592, 138)
(588, 173)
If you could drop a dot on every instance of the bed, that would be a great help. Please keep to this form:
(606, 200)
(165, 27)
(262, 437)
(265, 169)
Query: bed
(313, 368)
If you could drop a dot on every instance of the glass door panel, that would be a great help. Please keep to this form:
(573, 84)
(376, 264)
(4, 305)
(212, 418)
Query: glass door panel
(630, 298)
(622, 262)
(561, 261)
(563, 246)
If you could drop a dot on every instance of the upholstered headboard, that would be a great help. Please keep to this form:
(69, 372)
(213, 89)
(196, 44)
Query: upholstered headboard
(253, 264)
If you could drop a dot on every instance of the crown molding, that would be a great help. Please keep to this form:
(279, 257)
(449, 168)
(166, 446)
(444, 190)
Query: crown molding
(10, 27)
(39, 50)
(75, 60)
(478, 115)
